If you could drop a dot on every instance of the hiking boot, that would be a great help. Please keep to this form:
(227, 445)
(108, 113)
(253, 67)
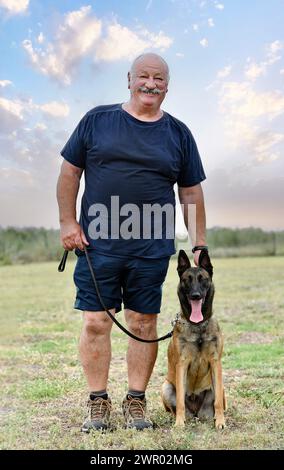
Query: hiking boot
(98, 415)
(134, 410)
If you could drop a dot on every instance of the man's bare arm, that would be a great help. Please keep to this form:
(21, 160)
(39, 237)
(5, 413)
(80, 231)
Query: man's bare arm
(194, 195)
(72, 236)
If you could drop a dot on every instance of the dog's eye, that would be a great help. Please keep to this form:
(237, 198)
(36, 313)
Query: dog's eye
(186, 278)
(202, 279)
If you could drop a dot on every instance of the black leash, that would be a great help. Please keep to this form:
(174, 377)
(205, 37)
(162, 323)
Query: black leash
(61, 268)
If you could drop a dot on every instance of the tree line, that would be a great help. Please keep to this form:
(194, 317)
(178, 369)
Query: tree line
(28, 245)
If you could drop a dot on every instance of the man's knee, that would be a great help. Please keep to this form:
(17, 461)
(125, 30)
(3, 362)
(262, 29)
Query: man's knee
(97, 323)
(141, 323)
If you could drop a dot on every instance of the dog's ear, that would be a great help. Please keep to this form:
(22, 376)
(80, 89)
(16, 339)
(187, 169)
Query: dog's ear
(205, 262)
(183, 262)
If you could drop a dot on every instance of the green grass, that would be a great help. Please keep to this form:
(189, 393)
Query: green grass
(251, 357)
(43, 390)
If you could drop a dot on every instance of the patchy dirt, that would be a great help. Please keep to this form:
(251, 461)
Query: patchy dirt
(254, 337)
(233, 375)
(5, 411)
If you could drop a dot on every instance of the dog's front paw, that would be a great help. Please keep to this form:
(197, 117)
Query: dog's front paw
(220, 423)
(180, 423)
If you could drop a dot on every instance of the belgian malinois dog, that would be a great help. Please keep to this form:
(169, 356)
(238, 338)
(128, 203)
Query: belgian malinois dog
(194, 384)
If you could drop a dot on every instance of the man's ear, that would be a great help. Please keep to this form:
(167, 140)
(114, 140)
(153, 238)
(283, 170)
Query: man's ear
(183, 262)
(205, 262)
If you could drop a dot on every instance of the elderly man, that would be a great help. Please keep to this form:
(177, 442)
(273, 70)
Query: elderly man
(137, 152)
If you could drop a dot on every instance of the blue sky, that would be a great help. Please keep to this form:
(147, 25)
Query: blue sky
(226, 59)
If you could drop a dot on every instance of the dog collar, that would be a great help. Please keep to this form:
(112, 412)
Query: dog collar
(178, 319)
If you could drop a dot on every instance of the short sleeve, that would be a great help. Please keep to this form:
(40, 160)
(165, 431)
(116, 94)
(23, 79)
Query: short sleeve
(192, 171)
(75, 148)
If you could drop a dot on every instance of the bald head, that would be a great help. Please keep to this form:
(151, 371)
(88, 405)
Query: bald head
(148, 84)
(150, 57)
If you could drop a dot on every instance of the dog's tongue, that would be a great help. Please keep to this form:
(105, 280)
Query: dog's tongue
(196, 315)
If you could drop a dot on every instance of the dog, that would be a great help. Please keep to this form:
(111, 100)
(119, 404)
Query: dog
(194, 383)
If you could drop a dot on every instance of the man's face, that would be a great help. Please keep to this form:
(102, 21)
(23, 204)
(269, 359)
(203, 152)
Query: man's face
(148, 82)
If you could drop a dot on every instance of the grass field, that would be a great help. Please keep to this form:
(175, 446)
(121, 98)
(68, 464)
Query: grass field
(43, 391)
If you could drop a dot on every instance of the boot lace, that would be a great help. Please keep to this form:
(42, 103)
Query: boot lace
(99, 408)
(136, 408)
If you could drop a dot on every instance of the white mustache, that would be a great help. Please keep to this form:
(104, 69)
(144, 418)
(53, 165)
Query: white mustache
(154, 91)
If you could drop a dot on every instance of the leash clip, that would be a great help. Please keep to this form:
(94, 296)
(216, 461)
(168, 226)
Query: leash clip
(176, 320)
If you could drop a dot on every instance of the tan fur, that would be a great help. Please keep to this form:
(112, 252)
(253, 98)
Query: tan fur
(194, 384)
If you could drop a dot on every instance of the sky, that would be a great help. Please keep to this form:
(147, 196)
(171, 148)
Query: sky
(60, 59)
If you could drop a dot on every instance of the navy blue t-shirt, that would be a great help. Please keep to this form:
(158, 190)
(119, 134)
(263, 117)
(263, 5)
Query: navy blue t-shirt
(128, 161)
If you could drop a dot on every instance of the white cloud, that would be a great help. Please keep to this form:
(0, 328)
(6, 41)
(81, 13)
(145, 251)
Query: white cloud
(204, 42)
(211, 22)
(281, 71)
(243, 107)
(74, 39)
(55, 109)
(158, 41)
(265, 140)
(40, 38)
(224, 72)
(15, 179)
(14, 108)
(31, 162)
(180, 54)
(272, 50)
(254, 70)
(80, 35)
(40, 126)
(30, 142)
(4, 83)
(15, 6)
(219, 6)
(242, 100)
(195, 27)
(248, 113)
(267, 158)
(122, 43)
(13, 113)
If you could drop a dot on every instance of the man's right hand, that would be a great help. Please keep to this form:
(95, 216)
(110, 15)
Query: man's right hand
(72, 236)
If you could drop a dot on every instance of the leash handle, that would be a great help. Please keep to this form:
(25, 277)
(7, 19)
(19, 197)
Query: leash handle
(62, 263)
(61, 268)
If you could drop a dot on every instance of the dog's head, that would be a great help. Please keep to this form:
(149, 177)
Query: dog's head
(195, 289)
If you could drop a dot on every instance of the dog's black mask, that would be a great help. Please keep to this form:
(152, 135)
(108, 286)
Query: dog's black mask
(195, 289)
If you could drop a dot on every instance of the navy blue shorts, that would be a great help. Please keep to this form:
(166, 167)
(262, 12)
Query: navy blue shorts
(137, 282)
